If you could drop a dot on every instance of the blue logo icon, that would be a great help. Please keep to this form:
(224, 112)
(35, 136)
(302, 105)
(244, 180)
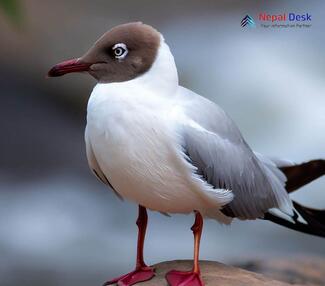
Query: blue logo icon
(247, 21)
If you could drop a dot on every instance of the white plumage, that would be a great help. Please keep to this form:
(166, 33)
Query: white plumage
(171, 150)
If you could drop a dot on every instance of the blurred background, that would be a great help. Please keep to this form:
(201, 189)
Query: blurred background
(58, 224)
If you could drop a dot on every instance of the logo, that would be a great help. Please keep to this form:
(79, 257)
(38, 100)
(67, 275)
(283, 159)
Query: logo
(247, 21)
(278, 20)
(292, 17)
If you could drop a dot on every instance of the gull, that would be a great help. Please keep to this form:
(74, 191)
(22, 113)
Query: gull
(168, 149)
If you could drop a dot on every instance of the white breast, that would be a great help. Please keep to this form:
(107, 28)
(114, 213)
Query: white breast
(136, 145)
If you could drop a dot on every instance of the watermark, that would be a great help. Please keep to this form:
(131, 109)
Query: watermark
(247, 21)
(282, 20)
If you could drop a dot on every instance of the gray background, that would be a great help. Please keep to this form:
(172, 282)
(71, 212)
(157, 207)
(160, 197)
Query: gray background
(58, 224)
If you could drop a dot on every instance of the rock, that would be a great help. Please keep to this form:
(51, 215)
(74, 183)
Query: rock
(302, 270)
(213, 274)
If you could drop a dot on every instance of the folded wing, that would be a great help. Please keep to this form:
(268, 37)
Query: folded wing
(216, 148)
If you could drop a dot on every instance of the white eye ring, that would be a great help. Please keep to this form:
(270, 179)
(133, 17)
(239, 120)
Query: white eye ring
(120, 51)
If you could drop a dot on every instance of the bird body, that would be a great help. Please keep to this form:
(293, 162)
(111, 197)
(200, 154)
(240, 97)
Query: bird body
(134, 133)
(171, 150)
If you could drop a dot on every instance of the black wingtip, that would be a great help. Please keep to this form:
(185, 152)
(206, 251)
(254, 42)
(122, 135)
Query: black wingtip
(315, 220)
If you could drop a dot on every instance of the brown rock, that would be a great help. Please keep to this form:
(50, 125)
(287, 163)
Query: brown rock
(213, 274)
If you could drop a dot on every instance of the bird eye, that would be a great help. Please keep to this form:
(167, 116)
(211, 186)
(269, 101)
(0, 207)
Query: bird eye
(120, 51)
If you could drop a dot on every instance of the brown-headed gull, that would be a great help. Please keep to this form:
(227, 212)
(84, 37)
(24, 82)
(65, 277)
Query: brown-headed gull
(170, 150)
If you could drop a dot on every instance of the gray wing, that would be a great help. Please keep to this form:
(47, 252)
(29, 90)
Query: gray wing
(215, 146)
(94, 166)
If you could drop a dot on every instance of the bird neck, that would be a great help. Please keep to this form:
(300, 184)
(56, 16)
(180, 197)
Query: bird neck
(162, 77)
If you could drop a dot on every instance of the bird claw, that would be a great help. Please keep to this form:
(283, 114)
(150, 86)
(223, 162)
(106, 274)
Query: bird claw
(138, 275)
(184, 278)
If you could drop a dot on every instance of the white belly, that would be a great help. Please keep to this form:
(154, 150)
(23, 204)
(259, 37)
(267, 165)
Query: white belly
(138, 155)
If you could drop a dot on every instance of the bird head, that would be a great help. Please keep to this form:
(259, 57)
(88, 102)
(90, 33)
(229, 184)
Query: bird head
(121, 54)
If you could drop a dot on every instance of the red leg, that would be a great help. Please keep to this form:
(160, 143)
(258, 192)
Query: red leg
(142, 272)
(190, 278)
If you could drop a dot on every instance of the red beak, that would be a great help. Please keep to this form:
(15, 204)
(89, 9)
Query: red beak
(74, 65)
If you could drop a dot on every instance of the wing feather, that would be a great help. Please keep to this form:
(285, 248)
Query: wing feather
(94, 166)
(217, 149)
